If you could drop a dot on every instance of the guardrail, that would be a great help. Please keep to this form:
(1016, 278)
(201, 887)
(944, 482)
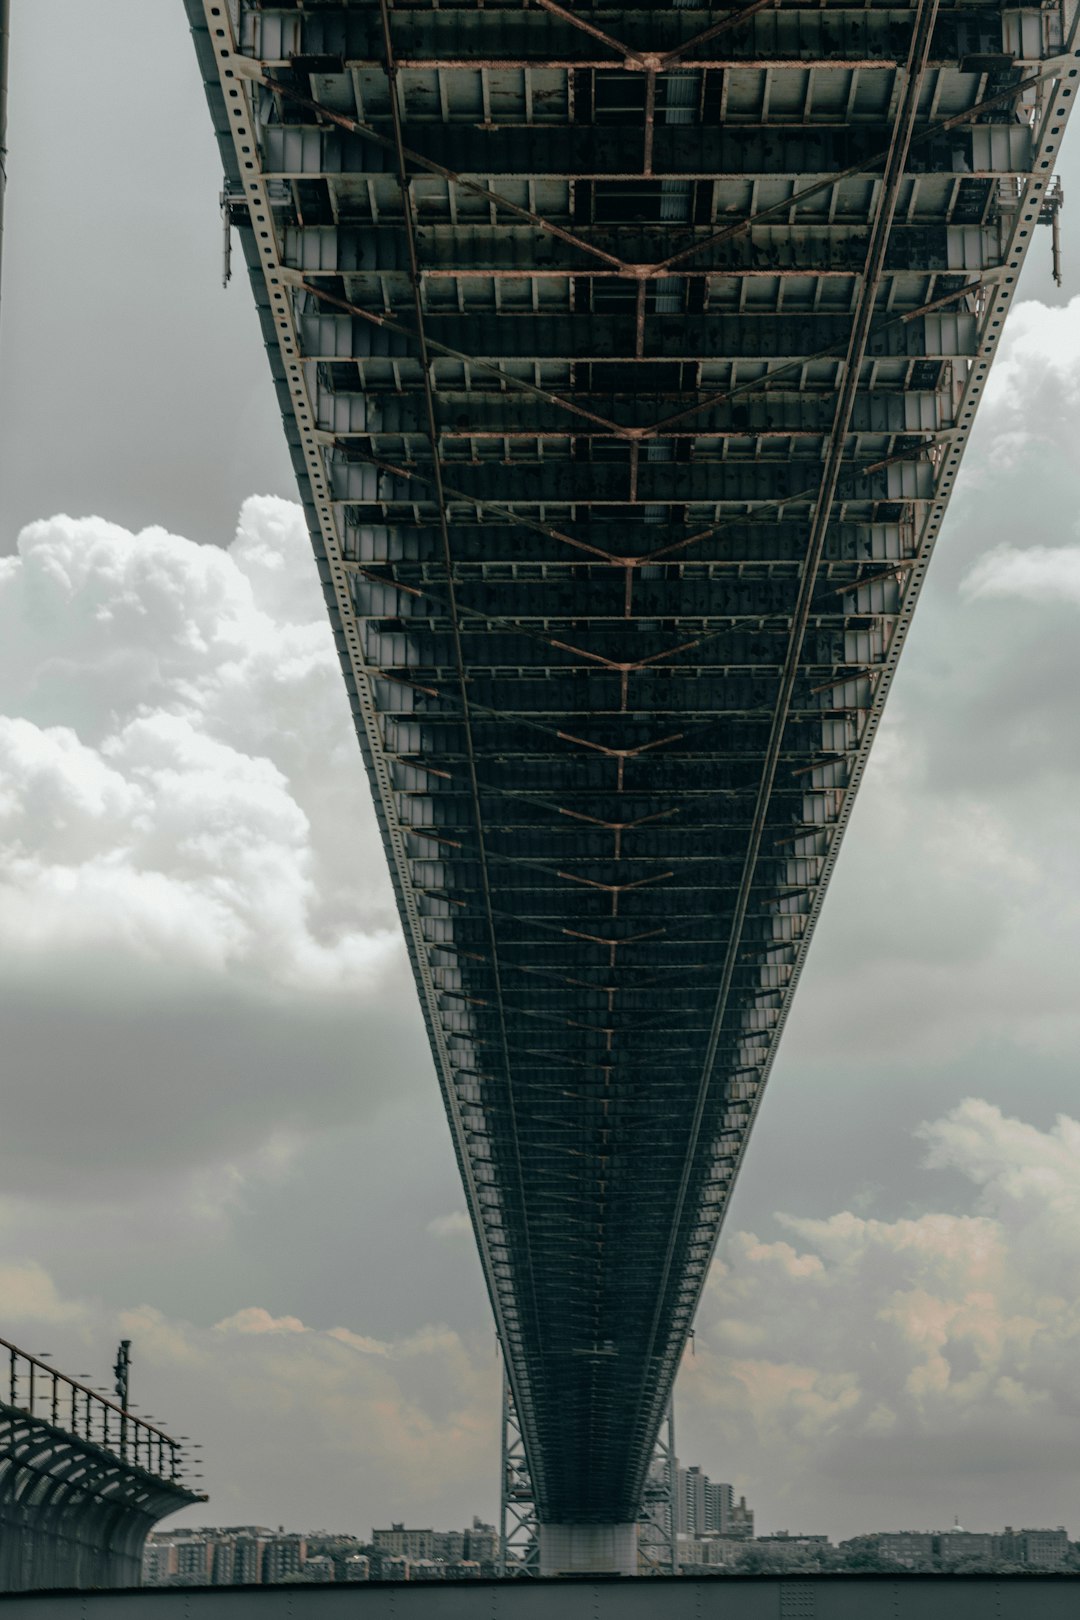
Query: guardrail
(45, 1393)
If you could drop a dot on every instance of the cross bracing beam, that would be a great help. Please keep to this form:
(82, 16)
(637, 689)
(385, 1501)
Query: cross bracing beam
(608, 155)
(478, 252)
(465, 416)
(798, 36)
(720, 480)
(598, 337)
(627, 359)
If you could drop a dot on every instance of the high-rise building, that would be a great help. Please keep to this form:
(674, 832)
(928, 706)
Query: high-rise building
(707, 1507)
(718, 1504)
(690, 1491)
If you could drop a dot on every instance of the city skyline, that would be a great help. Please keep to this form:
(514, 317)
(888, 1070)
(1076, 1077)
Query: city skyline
(257, 1554)
(252, 1179)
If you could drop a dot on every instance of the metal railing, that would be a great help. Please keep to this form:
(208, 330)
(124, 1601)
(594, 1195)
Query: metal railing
(53, 1397)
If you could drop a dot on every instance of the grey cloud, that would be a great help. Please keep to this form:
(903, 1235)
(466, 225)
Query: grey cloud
(304, 1425)
(200, 954)
(107, 1094)
(901, 1369)
(851, 1374)
(130, 383)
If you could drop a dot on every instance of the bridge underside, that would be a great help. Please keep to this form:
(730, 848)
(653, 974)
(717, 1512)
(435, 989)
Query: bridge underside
(627, 356)
(72, 1513)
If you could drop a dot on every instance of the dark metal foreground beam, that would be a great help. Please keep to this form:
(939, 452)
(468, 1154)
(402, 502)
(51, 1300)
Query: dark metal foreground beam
(843, 37)
(737, 1597)
(866, 163)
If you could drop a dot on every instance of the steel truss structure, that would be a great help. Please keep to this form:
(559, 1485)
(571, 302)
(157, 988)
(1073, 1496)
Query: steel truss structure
(519, 1527)
(82, 1481)
(519, 1524)
(658, 1527)
(627, 356)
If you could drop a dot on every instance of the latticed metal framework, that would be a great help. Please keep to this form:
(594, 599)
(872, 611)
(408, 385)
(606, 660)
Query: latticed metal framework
(627, 356)
(658, 1527)
(519, 1529)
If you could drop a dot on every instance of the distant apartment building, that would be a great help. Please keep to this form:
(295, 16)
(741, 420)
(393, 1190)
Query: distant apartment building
(690, 1489)
(708, 1552)
(357, 1567)
(955, 1546)
(719, 1507)
(463, 1569)
(193, 1562)
(222, 1561)
(393, 1567)
(319, 1569)
(792, 1547)
(159, 1562)
(426, 1569)
(945, 1549)
(248, 1548)
(740, 1521)
(707, 1507)
(448, 1545)
(398, 1542)
(909, 1548)
(283, 1555)
(1037, 1549)
(481, 1543)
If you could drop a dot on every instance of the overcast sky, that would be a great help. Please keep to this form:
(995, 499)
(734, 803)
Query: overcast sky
(221, 1134)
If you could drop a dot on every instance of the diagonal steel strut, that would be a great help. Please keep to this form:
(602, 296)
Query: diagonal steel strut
(883, 220)
(407, 206)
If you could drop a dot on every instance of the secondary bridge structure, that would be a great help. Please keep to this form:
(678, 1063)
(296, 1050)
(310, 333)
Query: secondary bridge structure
(82, 1480)
(627, 356)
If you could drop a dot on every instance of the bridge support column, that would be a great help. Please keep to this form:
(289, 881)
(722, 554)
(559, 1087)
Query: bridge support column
(588, 1549)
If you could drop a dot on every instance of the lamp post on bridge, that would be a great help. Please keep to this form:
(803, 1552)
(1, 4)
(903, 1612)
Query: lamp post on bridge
(122, 1375)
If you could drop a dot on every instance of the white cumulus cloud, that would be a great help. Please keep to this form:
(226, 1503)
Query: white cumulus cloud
(1035, 574)
(174, 718)
(194, 902)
